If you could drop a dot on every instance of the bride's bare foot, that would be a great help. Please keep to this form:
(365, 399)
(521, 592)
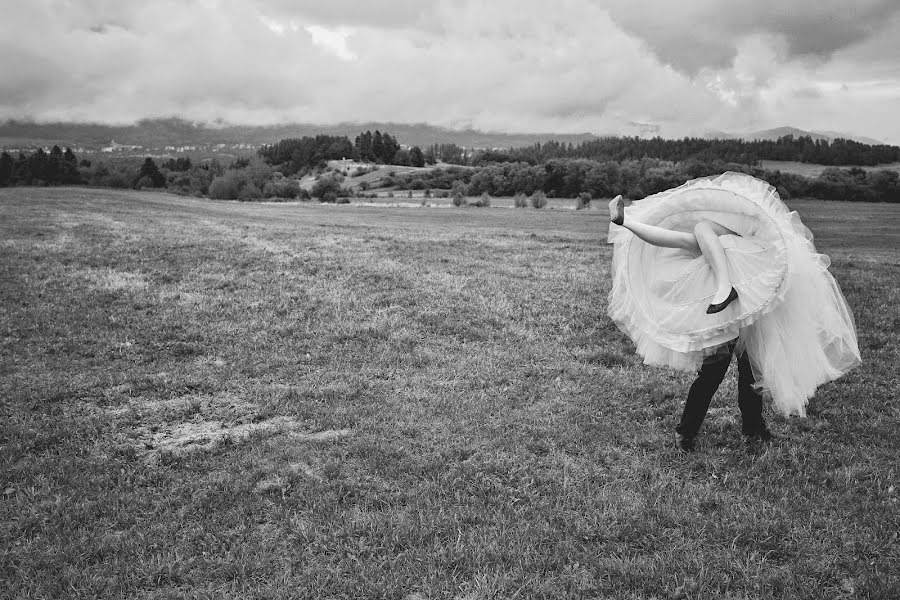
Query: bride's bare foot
(617, 210)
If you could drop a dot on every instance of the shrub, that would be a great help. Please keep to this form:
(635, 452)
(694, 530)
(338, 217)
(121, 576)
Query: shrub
(538, 199)
(281, 188)
(483, 200)
(584, 201)
(458, 191)
(193, 182)
(520, 201)
(227, 186)
(258, 172)
(118, 179)
(249, 192)
(143, 182)
(327, 184)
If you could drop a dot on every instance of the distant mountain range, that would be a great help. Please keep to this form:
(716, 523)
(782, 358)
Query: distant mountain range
(177, 132)
(159, 133)
(778, 132)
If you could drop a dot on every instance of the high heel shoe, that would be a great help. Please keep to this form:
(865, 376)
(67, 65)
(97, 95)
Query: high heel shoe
(617, 210)
(714, 308)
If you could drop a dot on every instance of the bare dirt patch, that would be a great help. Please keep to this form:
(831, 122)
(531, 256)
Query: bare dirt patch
(204, 435)
(112, 279)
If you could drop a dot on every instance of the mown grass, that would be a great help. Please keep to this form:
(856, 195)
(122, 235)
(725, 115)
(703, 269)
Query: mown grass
(405, 403)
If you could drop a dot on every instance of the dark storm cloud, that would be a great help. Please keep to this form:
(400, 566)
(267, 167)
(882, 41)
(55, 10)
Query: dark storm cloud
(694, 34)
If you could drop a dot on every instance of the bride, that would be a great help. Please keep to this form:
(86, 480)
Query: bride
(722, 259)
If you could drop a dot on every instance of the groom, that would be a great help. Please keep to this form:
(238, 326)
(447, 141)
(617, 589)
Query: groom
(710, 376)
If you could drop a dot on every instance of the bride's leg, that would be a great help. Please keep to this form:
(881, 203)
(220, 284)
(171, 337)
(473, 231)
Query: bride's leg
(656, 236)
(667, 238)
(707, 235)
(705, 239)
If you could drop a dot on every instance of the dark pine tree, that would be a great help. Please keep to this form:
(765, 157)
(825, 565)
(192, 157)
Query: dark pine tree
(364, 146)
(378, 146)
(55, 166)
(38, 163)
(390, 147)
(21, 171)
(416, 157)
(70, 172)
(150, 173)
(6, 168)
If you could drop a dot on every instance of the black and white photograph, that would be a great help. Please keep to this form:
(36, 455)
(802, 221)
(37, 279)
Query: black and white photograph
(449, 299)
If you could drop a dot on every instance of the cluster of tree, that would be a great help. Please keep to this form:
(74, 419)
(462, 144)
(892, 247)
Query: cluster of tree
(245, 179)
(180, 164)
(585, 179)
(175, 175)
(39, 168)
(787, 148)
(301, 155)
(378, 147)
(448, 153)
(254, 179)
(854, 185)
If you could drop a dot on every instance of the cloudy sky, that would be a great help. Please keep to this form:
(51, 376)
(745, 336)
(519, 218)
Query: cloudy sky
(600, 66)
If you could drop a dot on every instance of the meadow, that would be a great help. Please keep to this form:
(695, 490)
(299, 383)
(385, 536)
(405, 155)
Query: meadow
(813, 170)
(215, 399)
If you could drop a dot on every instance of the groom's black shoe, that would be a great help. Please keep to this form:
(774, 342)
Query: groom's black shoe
(759, 434)
(685, 443)
(714, 308)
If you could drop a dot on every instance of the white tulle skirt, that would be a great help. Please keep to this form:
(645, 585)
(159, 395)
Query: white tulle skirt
(790, 315)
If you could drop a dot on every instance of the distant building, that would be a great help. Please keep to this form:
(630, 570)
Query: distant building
(114, 147)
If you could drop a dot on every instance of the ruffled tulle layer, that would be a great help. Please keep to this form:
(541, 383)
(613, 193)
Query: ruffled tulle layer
(790, 314)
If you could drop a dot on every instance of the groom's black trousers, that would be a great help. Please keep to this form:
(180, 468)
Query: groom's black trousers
(708, 380)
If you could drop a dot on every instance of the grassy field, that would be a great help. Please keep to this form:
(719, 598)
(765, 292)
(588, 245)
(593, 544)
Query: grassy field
(813, 169)
(213, 399)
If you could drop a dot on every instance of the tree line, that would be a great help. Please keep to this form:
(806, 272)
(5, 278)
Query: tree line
(263, 176)
(787, 148)
(638, 178)
(40, 168)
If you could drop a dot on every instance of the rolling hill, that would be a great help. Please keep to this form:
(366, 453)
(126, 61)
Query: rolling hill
(177, 132)
(778, 132)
